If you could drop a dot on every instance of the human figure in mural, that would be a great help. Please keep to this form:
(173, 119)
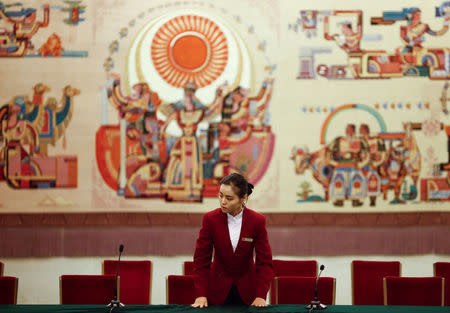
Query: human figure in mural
(241, 271)
(26, 27)
(350, 40)
(403, 163)
(347, 149)
(258, 120)
(235, 106)
(16, 128)
(143, 99)
(377, 155)
(183, 177)
(393, 171)
(348, 155)
(414, 33)
(377, 148)
(146, 153)
(237, 124)
(231, 105)
(150, 135)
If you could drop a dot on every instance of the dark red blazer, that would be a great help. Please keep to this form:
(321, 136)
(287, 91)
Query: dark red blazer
(214, 279)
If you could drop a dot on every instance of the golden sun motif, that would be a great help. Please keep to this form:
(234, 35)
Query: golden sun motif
(189, 48)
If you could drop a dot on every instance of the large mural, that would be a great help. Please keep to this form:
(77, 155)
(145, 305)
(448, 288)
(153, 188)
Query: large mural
(117, 106)
(179, 149)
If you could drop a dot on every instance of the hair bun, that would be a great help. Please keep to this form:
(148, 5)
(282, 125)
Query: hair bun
(250, 189)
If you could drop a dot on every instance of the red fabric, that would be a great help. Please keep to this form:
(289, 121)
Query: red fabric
(442, 269)
(180, 289)
(215, 279)
(87, 289)
(8, 290)
(367, 280)
(300, 290)
(292, 268)
(188, 268)
(135, 280)
(1, 269)
(425, 291)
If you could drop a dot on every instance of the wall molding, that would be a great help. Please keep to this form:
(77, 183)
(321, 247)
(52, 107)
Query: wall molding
(194, 219)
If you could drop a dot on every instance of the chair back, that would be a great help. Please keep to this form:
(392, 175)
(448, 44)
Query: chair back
(423, 291)
(8, 289)
(88, 289)
(300, 290)
(301, 268)
(442, 269)
(135, 280)
(1, 269)
(367, 280)
(180, 289)
(188, 268)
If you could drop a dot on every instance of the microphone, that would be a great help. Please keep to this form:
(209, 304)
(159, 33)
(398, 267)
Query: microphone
(315, 304)
(114, 302)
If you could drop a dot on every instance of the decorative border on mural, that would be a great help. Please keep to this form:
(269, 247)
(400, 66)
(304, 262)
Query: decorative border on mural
(194, 219)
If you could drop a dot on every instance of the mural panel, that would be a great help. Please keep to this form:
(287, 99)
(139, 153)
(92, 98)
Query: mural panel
(120, 106)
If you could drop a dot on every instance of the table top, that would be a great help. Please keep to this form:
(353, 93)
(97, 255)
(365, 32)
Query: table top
(284, 308)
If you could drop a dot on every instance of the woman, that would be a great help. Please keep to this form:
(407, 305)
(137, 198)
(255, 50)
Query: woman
(234, 232)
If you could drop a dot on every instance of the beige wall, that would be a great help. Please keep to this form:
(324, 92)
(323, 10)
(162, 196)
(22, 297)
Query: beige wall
(38, 277)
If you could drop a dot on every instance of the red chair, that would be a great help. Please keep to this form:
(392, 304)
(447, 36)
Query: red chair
(424, 291)
(180, 289)
(300, 290)
(8, 289)
(135, 280)
(188, 268)
(367, 280)
(442, 269)
(292, 268)
(88, 289)
(1, 269)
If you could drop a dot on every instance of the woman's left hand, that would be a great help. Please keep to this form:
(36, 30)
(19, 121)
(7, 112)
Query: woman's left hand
(259, 302)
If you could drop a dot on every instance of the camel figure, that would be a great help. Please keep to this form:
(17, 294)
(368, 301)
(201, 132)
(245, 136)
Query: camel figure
(56, 119)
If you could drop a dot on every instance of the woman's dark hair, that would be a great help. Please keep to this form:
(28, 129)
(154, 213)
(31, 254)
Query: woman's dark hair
(242, 186)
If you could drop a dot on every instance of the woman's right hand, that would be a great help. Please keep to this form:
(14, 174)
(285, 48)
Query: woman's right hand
(200, 302)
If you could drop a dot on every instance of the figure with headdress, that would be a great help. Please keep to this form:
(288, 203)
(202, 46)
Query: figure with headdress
(413, 34)
(184, 172)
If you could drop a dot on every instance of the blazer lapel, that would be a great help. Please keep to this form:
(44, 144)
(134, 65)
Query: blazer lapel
(243, 229)
(227, 232)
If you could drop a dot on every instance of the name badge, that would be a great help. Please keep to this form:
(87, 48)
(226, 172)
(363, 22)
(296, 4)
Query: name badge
(247, 239)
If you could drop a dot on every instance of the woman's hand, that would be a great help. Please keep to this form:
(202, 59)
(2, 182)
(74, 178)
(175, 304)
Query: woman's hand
(201, 302)
(259, 302)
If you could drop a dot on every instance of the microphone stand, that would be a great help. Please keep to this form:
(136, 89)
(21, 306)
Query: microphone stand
(114, 302)
(315, 304)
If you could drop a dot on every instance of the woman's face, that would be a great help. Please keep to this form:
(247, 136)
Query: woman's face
(229, 200)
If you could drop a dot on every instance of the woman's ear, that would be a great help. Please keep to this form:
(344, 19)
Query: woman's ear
(244, 200)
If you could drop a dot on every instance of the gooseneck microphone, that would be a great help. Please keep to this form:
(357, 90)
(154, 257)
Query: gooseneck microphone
(315, 304)
(114, 302)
